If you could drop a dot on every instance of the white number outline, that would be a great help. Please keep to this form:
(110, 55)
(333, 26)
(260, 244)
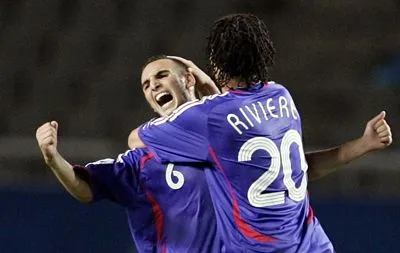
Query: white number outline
(279, 158)
(169, 173)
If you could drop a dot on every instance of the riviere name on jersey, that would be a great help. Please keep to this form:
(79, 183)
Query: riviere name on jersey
(254, 113)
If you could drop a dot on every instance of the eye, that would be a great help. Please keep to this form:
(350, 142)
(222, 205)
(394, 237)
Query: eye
(145, 86)
(162, 75)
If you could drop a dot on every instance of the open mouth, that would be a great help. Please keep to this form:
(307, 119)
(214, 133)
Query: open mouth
(163, 98)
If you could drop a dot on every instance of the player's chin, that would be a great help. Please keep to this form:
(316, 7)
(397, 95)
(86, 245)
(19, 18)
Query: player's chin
(171, 106)
(168, 111)
(164, 111)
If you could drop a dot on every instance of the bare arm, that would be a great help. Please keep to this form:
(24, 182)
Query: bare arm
(377, 135)
(46, 136)
(324, 162)
(134, 141)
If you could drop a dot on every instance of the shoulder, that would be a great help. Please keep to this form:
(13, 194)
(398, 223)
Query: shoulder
(133, 159)
(198, 109)
(135, 154)
(279, 88)
(130, 157)
(205, 104)
(276, 86)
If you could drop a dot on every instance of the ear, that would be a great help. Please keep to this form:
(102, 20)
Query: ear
(190, 80)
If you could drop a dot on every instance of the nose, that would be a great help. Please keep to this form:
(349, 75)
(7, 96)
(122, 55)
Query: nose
(154, 84)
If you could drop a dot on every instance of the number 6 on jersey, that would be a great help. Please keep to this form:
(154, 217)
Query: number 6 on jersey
(279, 157)
(169, 173)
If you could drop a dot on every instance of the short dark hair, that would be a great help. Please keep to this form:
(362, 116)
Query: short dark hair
(162, 57)
(239, 46)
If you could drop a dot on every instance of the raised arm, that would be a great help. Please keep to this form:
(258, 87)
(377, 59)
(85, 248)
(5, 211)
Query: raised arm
(46, 136)
(377, 135)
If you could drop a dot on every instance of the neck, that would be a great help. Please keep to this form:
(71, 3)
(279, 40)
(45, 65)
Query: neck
(235, 83)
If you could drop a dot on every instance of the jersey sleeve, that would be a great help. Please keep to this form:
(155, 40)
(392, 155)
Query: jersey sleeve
(110, 178)
(181, 137)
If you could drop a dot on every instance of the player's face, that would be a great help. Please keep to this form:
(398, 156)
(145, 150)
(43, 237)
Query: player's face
(164, 86)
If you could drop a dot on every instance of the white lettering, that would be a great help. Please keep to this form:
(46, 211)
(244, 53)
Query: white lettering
(294, 110)
(270, 108)
(236, 122)
(263, 110)
(254, 113)
(246, 117)
(283, 106)
(280, 107)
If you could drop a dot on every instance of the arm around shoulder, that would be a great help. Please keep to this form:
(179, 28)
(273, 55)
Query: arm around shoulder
(134, 140)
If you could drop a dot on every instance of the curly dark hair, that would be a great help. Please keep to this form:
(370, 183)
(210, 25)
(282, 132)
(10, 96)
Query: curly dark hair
(239, 46)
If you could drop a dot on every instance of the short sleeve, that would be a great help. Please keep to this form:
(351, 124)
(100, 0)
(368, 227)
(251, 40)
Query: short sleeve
(181, 137)
(112, 178)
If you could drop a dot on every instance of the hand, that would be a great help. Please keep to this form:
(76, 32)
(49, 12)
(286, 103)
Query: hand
(204, 84)
(46, 136)
(377, 134)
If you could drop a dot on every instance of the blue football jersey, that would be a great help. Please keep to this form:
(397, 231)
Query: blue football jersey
(169, 207)
(253, 139)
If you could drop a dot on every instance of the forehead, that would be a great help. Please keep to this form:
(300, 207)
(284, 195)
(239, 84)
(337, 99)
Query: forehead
(154, 67)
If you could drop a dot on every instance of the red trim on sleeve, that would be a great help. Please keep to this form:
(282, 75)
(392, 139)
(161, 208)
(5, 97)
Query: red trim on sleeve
(144, 159)
(310, 215)
(245, 228)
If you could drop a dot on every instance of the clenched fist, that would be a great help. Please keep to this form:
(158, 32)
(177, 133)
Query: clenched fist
(377, 134)
(46, 136)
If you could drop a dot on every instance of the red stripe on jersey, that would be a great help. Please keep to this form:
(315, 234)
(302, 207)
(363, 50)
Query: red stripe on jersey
(245, 228)
(310, 215)
(157, 212)
(158, 217)
(144, 159)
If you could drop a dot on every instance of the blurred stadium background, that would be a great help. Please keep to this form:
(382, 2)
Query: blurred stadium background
(79, 62)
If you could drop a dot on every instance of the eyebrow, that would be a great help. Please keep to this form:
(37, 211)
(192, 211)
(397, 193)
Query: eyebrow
(158, 73)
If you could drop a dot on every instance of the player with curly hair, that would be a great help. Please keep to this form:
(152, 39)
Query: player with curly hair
(252, 136)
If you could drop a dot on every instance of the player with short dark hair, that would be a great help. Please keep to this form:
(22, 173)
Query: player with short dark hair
(178, 84)
(252, 136)
(168, 206)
